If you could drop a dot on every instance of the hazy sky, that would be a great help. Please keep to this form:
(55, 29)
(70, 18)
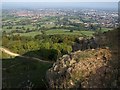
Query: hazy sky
(60, 0)
(96, 5)
(103, 4)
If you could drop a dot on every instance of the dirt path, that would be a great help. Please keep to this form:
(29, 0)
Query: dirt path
(9, 52)
(27, 57)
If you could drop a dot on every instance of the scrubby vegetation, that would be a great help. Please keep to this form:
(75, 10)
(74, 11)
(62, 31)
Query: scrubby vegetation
(17, 72)
(96, 68)
(44, 46)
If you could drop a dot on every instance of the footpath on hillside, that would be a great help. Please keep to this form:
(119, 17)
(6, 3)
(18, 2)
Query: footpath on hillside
(18, 55)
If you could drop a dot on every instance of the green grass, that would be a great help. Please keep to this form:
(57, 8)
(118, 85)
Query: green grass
(87, 33)
(75, 20)
(29, 34)
(20, 70)
(5, 56)
(64, 31)
(14, 27)
(58, 31)
(105, 29)
(49, 25)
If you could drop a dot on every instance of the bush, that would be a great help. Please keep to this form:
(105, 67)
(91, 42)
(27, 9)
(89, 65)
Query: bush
(71, 30)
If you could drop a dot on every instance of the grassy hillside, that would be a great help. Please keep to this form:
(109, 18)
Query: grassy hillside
(19, 70)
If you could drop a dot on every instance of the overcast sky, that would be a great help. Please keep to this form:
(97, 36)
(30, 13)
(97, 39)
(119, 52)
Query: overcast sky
(59, 0)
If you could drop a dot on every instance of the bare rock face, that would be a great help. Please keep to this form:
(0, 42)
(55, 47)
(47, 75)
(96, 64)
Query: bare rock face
(81, 69)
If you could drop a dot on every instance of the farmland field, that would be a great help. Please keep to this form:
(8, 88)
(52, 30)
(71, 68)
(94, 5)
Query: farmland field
(57, 31)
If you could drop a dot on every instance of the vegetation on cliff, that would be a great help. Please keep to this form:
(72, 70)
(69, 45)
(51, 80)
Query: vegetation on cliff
(92, 68)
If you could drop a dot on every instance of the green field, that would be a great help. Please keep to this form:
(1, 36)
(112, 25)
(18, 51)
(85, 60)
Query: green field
(64, 31)
(58, 31)
(29, 34)
(105, 29)
(4, 55)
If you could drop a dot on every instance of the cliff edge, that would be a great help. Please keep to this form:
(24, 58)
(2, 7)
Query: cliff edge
(92, 68)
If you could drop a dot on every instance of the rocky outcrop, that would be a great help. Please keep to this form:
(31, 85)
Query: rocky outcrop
(85, 43)
(81, 69)
(92, 68)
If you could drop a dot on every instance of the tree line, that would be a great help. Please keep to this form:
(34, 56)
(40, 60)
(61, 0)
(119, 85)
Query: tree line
(48, 47)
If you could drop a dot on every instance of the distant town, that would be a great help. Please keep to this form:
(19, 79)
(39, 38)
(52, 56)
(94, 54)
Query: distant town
(104, 18)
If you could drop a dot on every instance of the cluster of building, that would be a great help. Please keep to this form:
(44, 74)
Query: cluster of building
(104, 18)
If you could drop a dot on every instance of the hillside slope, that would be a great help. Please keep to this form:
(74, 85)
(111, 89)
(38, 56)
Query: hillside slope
(93, 68)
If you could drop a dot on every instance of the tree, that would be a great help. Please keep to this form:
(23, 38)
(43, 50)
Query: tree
(43, 32)
(23, 27)
(53, 54)
(71, 30)
(4, 33)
